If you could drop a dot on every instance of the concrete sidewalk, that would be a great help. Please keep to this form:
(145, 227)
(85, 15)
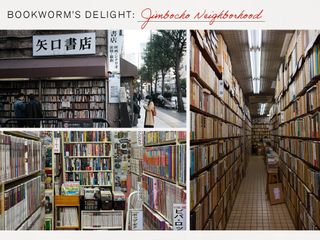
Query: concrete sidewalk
(165, 118)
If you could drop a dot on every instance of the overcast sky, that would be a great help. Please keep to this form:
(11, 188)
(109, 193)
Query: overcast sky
(132, 45)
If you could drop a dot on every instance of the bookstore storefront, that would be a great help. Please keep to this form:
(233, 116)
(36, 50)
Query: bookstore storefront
(68, 75)
(93, 180)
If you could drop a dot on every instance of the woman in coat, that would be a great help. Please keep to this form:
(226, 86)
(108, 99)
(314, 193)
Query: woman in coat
(150, 113)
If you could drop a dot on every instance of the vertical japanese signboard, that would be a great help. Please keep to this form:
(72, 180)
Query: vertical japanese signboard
(136, 220)
(64, 44)
(115, 41)
(179, 217)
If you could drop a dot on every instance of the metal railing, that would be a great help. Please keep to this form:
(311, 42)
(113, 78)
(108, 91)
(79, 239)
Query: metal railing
(55, 123)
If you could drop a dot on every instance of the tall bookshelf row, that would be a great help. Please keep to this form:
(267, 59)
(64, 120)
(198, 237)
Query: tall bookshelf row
(88, 163)
(295, 117)
(136, 161)
(247, 140)
(59, 98)
(88, 158)
(163, 180)
(260, 129)
(218, 120)
(20, 181)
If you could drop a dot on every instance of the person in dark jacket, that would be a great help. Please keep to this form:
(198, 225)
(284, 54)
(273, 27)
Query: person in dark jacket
(33, 110)
(19, 108)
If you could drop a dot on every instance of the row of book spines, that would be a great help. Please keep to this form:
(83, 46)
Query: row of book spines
(74, 106)
(20, 202)
(213, 212)
(200, 65)
(203, 127)
(161, 195)
(309, 200)
(301, 204)
(286, 74)
(304, 104)
(18, 157)
(85, 136)
(84, 164)
(153, 221)
(203, 100)
(87, 149)
(221, 173)
(62, 91)
(101, 178)
(309, 151)
(303, 79)
(307, 127)
(161, 160)
(102, 219)
(204, 155)
(310, 177)
(163, 136)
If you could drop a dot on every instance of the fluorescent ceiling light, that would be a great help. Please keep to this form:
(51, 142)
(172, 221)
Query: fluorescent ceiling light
(256, 86)
(14, 79)
(262, 108)
(254, 39)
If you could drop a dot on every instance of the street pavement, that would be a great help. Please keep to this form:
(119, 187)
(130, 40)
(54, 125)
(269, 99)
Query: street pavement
(165, 118)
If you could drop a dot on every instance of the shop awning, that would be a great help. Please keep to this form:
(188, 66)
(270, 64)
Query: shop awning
(128, 70)
(54, 67)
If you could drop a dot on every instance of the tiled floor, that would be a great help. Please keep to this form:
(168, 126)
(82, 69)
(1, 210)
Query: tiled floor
(252, 210)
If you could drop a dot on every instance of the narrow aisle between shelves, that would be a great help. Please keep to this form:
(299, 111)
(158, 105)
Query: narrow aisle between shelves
(252, 209)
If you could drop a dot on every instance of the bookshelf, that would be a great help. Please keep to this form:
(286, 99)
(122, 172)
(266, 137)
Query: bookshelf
(48, 156)
(163, 177)
(260, 129)
(67, 212)
(20, 181)
(220, 133)
(88, 158)
(136, 160)
(102, 220)
(295, 124)
(60, 98)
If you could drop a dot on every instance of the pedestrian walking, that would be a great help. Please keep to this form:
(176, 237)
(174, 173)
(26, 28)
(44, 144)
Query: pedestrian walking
(150, 113)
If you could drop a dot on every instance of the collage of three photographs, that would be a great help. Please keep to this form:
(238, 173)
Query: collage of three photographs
(159, 130)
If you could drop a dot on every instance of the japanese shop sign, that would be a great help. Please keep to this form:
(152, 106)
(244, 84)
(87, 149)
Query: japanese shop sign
(65, 44)
(136, 220)
(179, 217)
(115, 40)
(114, 88)
(56, 145)
(140, 139)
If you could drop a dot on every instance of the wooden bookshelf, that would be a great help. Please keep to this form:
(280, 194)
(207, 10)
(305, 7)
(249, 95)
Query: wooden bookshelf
(60, 98)
(163, 144)
(101, 161)
(220, 132)
(67, 202)
(294, 128)
(26, 149)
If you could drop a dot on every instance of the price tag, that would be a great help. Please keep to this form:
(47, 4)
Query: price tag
(220, 88)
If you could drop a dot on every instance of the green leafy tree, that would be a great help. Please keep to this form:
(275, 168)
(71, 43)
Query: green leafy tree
(176, 48)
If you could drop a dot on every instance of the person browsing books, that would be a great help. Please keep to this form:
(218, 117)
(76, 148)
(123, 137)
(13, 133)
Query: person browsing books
(150, 113)
(19, 108)
(33, 110)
